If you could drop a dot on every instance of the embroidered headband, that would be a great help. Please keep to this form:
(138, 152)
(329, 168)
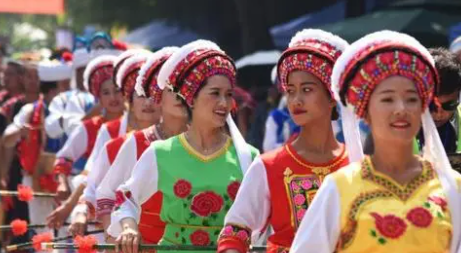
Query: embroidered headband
(311, 50)
(374, 58)
(128, 72)
(97, 72)
(146, 83)
(124, 56)
(187, 69)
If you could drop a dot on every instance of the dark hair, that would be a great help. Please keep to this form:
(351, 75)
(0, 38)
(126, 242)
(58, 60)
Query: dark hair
(18, 67)
(449, 70)
(46, 87)
(184, 103)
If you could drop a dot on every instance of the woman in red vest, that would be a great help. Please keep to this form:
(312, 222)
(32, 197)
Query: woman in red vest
(280, 185)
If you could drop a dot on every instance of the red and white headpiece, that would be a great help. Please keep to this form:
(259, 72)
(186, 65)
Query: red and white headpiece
(128, 72)
(365, 64)
(97, 72)
(124, 56)
(54, 71)
(311, 50)
(146, 83)
(377, 56)
(188, 68)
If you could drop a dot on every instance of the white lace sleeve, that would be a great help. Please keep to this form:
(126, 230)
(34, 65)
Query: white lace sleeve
(320, 228)
(101, 164)
(76, 145)
(252, 206)
(135, 191)
(118, 173)
(53, 126)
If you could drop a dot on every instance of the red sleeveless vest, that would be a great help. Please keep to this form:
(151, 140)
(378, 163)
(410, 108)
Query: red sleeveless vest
(292, 183)
(29, 149)
(150, 224)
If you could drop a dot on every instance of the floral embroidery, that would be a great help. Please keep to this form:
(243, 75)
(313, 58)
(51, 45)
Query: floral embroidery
(299, 199)
(236, 231)
(200, 238)
(306, 184)
(390, 226)
(232, 189)
(206, 203)
(440, 202)
(301, 190)
(120, 198)
(348, 233)
(420, 217)
(426, 175)
(182, 188)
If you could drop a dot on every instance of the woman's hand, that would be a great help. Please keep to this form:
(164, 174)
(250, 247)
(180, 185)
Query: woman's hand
(128, 241)
(79, 224)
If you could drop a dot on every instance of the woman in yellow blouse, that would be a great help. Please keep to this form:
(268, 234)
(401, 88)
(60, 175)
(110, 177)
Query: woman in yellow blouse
(391, 201)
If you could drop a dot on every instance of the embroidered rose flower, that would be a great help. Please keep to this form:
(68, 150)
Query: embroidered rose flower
(389, 226)
(200, 238)
(206, 203)
(232, 189)
(295, 186)
(120, 198)
(182, 188)
(228, 230)
(420, 217)
(299, 199)
(439, 201)
(306, 184)
(300, 214)
(242, 234)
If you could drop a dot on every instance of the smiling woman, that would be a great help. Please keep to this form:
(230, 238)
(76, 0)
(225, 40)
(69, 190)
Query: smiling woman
(197, 172)
(393, 200)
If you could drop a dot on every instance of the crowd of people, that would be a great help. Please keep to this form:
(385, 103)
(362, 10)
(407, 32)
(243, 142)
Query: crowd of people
(153, 147)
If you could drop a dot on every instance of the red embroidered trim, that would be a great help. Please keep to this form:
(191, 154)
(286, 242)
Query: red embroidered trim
(395, 59)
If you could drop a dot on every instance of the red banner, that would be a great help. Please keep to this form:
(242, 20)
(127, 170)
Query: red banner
(52, 7)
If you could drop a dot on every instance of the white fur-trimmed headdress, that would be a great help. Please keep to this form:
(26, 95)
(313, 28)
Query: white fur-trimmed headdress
(97, 72)
(53, 71)
(192, 64)
(128, 73)
(311, 50)
(146, 82)
(178, 56)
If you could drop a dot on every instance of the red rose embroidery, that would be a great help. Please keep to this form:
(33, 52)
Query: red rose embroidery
(182, 188)
(419, 217)
(232, 189)
(200, 238)
(389, 226)
(439, 201)
(120, 197)
(206, 203)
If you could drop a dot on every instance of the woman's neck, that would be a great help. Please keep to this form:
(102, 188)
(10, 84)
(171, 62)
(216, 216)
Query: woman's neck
(108, 116)
(171, 126)
(317, 138)
(393, 158)
(137, 124)
(204, 137)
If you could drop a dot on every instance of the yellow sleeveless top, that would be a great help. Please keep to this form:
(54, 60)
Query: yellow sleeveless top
(380, 215)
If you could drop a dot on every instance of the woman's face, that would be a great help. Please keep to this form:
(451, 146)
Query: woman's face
(111, 97)
(307, 98)
(145, 109)
(214, 102)
(171, 105)
(394, 111)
